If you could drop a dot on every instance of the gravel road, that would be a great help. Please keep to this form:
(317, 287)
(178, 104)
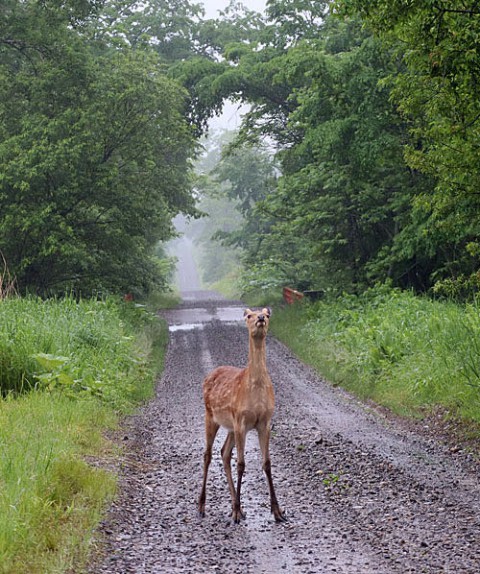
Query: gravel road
(363, 492)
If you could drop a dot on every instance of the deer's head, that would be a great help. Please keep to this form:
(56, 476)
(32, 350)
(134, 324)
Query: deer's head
(257, 321)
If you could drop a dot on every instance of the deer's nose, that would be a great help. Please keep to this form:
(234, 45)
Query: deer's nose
(261, 318)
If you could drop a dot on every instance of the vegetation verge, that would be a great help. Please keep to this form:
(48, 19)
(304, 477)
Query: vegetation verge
(405, 352)
(68, 371)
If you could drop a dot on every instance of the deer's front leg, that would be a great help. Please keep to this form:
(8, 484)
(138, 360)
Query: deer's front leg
(226, 458)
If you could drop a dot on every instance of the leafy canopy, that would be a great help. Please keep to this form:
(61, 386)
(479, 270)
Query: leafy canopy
(94, 153)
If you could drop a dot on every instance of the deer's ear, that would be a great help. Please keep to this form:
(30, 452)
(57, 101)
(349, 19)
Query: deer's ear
(267, 311)
(246, 313)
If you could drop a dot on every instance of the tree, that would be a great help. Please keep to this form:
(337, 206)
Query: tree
(336, 215)
(438, 92)
(168, 27)
(94, 154)
(348, 210)
(346, 187)
(229, 187)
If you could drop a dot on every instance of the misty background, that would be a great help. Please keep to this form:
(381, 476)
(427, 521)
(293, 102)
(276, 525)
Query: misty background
(202, 258)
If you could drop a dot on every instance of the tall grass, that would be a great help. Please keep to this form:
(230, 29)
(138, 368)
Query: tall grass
(82, 347)
(50, 497)
(403, 351)
(68, 370)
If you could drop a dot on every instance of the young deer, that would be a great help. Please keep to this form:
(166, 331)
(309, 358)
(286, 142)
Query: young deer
(241, 400)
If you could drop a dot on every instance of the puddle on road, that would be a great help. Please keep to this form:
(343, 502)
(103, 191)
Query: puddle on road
(230, 314)
(185, 327)
(190, 319)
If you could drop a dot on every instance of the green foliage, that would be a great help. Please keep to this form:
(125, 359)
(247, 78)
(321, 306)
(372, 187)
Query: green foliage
(79, 348)
(167, 27)
(90, 362)
(401, 350)
(437, 90)
(230, 187)
(94, 156)
(220, 216)
(340, 216)
(51, 499)
(245, 176)
(216, 259)
(264, 276)
(376, 144)
(376, 168)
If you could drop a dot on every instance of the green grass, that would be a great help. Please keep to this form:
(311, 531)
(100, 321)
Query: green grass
(406, 352)
(87, 347)
(50, 497)
(69, 370)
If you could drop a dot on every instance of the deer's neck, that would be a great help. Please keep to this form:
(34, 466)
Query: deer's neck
(257, 362)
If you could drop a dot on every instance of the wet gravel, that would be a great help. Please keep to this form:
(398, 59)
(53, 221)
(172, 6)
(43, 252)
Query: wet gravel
(363, 493)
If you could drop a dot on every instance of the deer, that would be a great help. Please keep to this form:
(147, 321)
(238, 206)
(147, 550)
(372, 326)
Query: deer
(241, 400)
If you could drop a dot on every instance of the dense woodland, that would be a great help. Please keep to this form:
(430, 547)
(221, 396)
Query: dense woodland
(357, 164)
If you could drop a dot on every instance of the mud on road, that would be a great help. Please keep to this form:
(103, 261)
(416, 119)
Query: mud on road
(362, 493)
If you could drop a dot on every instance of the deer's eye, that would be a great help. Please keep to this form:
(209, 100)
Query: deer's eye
(249, 316)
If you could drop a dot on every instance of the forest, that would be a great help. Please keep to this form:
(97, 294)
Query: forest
(356, 164)
(355, 173)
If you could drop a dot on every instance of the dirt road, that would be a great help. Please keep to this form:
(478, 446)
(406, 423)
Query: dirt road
(363, 493)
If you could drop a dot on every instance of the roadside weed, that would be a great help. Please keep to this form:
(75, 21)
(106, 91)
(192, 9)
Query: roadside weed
(401, 350)
(68, 370)
(48, 493)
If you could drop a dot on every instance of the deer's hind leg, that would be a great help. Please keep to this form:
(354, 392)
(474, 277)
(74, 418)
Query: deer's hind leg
(211, 429)
(264, 441)
(240, 435)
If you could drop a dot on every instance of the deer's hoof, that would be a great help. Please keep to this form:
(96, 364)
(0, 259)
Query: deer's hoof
(279, 516)
(238, 515)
